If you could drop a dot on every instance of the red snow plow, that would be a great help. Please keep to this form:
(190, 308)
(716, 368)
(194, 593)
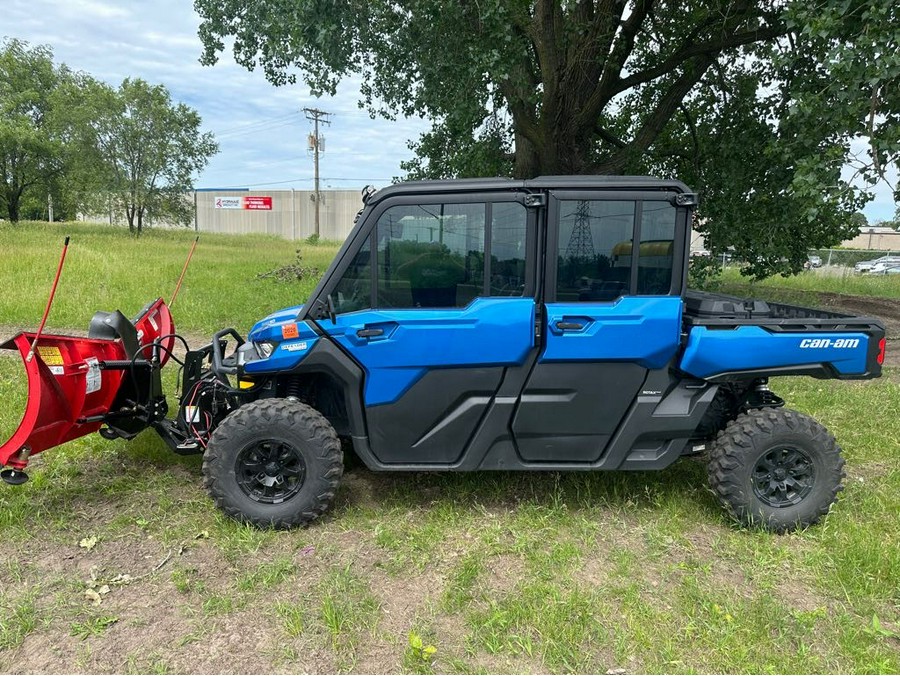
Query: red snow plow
(108, 382)
(75, 384)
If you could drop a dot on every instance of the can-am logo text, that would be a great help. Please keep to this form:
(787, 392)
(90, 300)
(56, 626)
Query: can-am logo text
(821, 343)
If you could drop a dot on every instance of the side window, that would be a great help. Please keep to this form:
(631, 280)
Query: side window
(430, 255)
(508, 245)
(656, 252)
(354, 291)
(594, 249)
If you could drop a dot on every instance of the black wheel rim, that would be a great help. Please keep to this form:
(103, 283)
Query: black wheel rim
(783, 476)
(270, 471)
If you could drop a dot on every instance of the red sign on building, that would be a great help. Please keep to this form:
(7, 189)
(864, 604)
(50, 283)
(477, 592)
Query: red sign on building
(258, 203)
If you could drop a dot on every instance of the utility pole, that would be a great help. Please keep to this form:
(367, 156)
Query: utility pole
(316, 116)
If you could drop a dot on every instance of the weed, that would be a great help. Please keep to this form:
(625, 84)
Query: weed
(93, 626)
(152, 664)
(293, 272)
(418, 658)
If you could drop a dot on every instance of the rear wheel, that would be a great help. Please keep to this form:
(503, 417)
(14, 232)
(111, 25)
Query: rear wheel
(776, 468)
(273, 463)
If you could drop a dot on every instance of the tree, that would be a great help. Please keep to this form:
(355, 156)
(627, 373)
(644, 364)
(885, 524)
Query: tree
(615, 86)
(141, 149)
(30, 150)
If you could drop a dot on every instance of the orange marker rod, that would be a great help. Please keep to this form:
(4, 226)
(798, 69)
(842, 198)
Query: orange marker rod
(184, 270)
(37, 336)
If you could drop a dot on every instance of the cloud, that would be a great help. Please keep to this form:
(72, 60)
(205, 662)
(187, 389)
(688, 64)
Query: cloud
(263, 135)
(93, 9)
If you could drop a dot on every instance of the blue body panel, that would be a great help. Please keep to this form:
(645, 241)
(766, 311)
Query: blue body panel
(289, 351)
(488, 332)
(640, 329)
(711, 352)
(269, 328)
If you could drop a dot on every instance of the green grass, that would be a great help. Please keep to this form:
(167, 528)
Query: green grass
(500, 572)
(92, 626)
(18, 618)
(829, 280)
(348, 607)
(107, 269)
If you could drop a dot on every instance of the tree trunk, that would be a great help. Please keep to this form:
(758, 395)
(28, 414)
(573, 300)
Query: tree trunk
(12, 205)
(140, 219)
(528, 160)
(570, 152)
(129, 214)
(565, 154)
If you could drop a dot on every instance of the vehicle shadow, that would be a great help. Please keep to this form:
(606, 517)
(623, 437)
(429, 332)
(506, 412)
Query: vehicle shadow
(684, 482)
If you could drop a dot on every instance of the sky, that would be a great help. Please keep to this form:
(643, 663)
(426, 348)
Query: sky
(261, 130)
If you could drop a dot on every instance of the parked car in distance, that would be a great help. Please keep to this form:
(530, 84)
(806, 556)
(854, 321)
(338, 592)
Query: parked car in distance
(815, 261)
(879, 268)
(869, 266)
(889, 270)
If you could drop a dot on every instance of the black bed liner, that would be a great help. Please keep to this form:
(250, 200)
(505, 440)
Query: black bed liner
(716, 310)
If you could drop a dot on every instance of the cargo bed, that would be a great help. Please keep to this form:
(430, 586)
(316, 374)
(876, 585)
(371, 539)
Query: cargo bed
(727, 337)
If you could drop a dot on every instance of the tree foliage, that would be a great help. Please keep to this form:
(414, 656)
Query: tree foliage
(92, 146)
(139, 150)
(29, 142)
(755, 102)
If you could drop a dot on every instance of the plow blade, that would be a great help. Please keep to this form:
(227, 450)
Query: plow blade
(74, 382)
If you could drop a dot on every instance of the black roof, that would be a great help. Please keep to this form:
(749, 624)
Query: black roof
(535, 184)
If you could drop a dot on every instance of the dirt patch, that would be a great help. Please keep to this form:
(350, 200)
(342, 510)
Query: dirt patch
(504, 572)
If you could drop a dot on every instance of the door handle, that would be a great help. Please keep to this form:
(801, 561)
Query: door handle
(569, 326)
(370, 333)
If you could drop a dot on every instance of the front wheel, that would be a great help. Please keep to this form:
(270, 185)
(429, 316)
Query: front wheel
(273, 463)
(776, 468)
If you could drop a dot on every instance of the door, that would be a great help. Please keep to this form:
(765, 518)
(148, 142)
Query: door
(435, 305)
(613, 281)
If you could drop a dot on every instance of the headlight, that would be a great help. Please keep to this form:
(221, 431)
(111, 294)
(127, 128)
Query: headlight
(265, 348)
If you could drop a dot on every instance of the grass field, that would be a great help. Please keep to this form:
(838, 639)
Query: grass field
(107, 269)
(114, 560)
(829, 280)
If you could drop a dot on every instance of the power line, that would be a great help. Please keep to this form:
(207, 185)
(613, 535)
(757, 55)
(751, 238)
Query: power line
(297, 180)
(358, 178)
(256, 123)
(265, 183)
(256, 130)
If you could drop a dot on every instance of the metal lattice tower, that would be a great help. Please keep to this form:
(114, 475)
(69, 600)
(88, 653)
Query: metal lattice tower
(581, 243)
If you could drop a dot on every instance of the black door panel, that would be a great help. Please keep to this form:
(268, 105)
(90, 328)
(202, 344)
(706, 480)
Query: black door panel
(568, 411)
(435, 419)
